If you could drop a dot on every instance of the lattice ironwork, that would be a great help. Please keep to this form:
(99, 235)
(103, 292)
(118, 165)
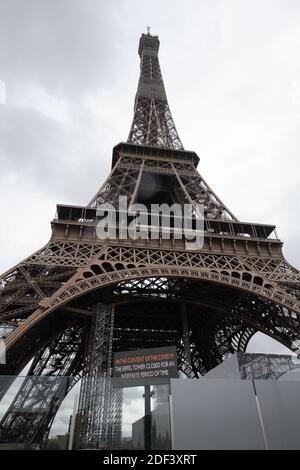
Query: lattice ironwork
(100, 404)
(53, 372)
(181, 184)
(152, 122)
(265, 366)
(237, 284)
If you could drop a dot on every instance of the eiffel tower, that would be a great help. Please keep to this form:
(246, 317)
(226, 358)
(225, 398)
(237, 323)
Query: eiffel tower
(65, 309)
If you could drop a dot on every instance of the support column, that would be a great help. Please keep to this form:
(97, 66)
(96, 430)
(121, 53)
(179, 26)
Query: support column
(147, 421)
(100, 405)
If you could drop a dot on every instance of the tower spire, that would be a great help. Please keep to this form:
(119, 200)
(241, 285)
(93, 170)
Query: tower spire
(152, 123)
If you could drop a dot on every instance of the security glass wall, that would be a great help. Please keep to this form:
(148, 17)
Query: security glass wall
(59, 413)
(92, 413)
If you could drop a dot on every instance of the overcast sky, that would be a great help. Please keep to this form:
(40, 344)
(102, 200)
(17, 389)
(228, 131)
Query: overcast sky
(70, 70)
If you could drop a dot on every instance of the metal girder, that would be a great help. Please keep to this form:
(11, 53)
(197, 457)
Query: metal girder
(53, 372)
(100, 404)
(152, 122)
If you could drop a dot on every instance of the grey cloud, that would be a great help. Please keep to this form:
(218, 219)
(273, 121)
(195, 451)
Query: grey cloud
(133, 394)
(62, 45)
(42, 151)
(261, 343)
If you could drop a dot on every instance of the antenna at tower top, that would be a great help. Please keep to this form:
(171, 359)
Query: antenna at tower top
(148, 30)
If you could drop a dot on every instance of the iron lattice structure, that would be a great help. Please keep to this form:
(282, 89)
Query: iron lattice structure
(208, 302)
(100, 404)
